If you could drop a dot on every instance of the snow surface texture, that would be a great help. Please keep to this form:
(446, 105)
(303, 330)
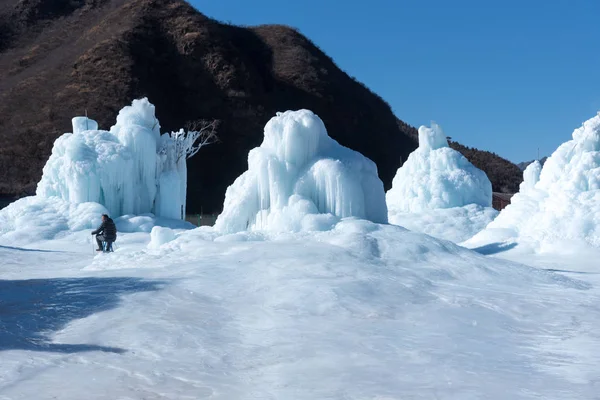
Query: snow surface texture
(300, 179)
(363, 311)
(146, 223)
(456, 224)
(439, 192)
(129, 170)
(36, 218)
(559, 204)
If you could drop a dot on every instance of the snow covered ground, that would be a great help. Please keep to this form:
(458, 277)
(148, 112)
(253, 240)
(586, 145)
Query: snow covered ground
(456, 224)
(364, 311)
(311, 302)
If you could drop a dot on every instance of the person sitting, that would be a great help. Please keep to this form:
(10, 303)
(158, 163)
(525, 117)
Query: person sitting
(107, 232)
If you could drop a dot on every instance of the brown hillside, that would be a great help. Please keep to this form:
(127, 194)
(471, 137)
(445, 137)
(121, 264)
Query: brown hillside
(60, 57)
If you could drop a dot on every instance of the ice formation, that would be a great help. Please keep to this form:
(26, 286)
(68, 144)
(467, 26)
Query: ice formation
(436, 176)
(300, 179)
(559, 202)
(531, 177)
(439, 192)
(130, 169)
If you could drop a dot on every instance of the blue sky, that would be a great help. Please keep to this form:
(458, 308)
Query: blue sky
(507, 76)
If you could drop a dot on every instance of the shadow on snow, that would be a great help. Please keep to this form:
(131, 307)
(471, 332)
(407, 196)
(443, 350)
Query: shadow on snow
(30, 310)
(494, 248)
(30, 250)
(571, 272)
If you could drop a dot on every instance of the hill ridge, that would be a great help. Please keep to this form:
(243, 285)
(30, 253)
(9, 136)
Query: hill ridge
(98, 55)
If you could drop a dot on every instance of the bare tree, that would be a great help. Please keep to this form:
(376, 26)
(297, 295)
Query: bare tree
(196, 135)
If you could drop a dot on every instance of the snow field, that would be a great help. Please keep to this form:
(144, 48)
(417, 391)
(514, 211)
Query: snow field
(361, 311)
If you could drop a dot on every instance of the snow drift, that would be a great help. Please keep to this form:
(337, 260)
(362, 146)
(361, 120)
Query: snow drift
(159, 236)
(300, 179)
(362, 311)
(36, 218)
(559, 202)
(439, 192)
(33, 219)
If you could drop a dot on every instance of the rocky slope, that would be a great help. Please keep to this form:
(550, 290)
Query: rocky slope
(59, 58)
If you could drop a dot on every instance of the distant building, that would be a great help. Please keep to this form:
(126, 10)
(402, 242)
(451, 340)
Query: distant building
(501, 200)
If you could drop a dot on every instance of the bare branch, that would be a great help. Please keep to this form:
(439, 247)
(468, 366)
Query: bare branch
(197, 135)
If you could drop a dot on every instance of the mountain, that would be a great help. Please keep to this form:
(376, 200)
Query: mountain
(60, 58)
(525, 164)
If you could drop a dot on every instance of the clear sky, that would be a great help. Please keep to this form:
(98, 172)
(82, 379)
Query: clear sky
(505, 76)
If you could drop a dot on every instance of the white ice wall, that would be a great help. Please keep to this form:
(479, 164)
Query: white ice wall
(121, 169)
(301, 179)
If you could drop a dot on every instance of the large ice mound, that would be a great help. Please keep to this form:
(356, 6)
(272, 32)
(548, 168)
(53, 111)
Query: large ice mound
(129, 169)
(436, 176)
(559, 202)
(439, 192)
(300, 179)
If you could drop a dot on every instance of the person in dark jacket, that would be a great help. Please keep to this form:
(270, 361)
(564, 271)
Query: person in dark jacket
(107, 232)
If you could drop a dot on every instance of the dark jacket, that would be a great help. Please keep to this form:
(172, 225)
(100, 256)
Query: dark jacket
(108, 229)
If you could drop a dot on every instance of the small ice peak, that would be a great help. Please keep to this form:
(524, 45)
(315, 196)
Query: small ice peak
(588, 135)
(295, 137)
(432, 138)
(531, 177)
(83, 124)
(140, 113)
(436, 176)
